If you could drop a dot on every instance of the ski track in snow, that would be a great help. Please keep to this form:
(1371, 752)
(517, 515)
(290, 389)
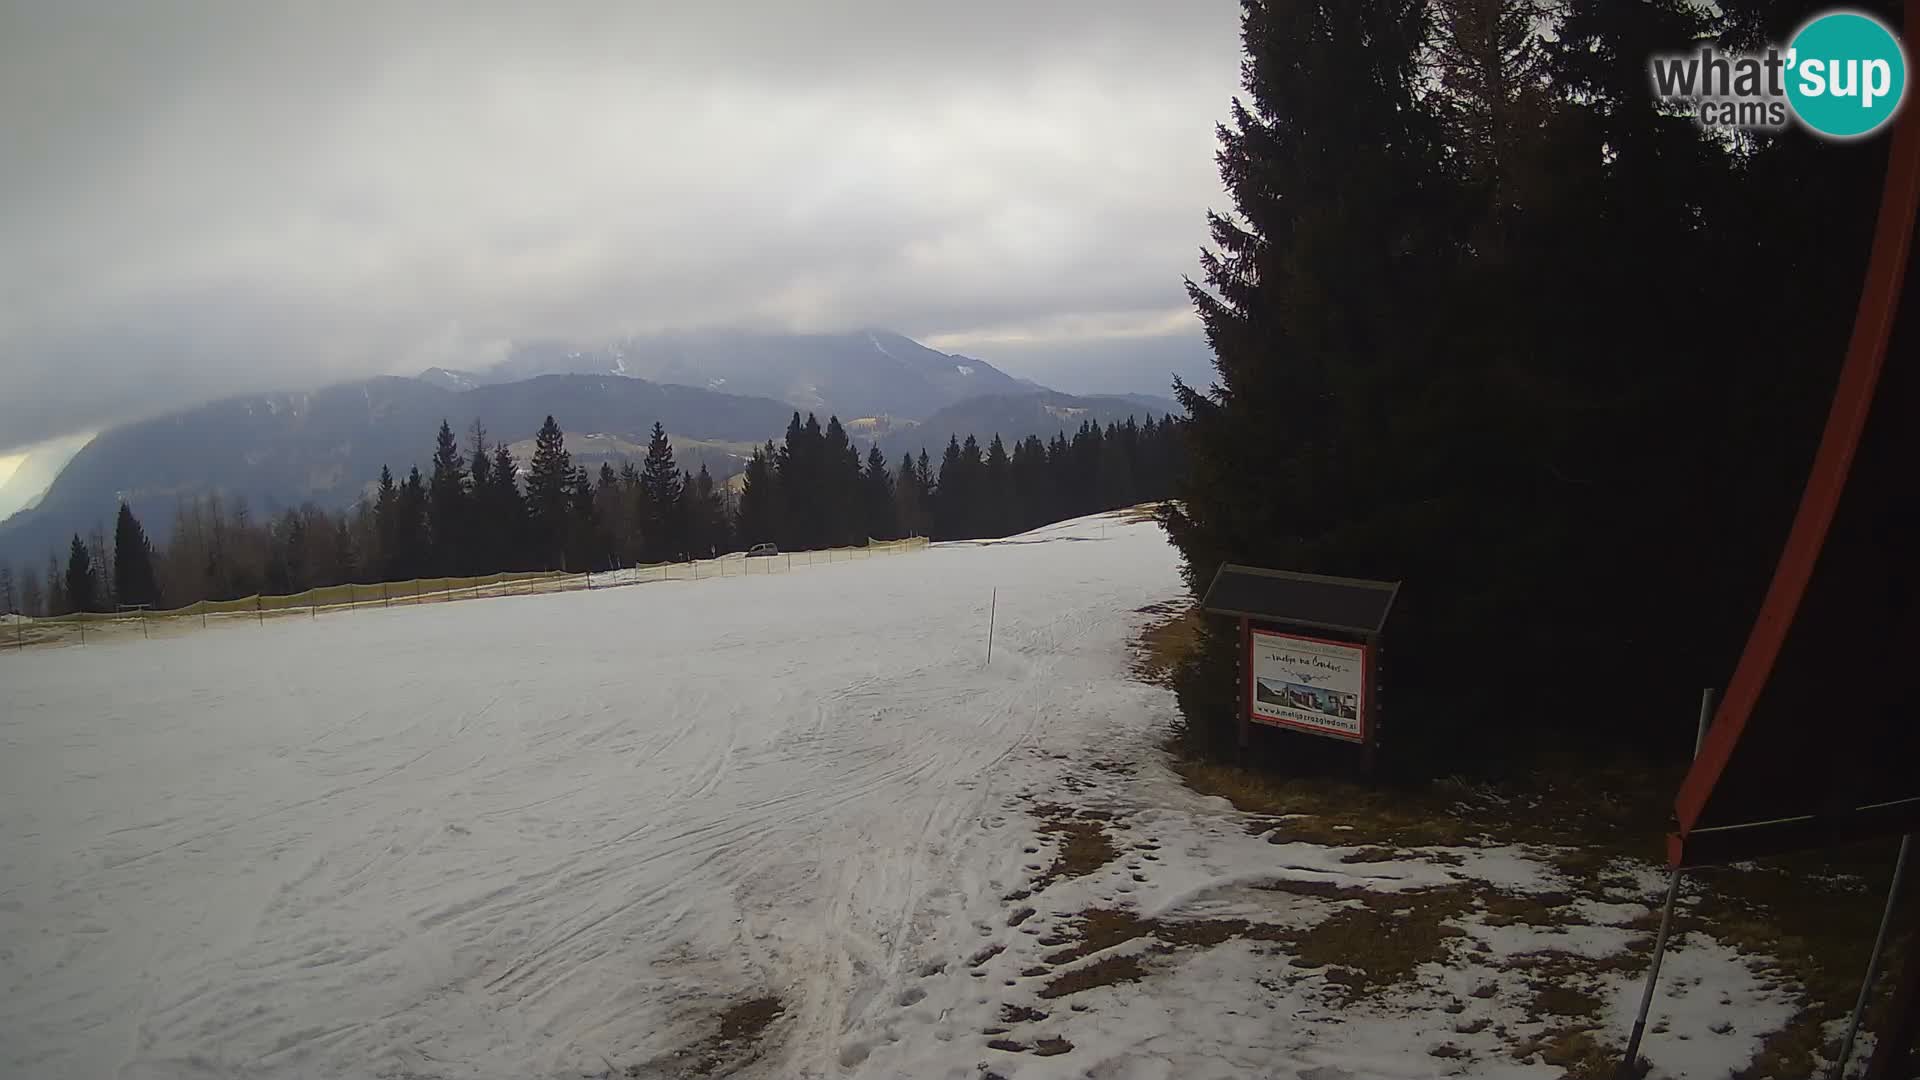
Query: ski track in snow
(520, 837)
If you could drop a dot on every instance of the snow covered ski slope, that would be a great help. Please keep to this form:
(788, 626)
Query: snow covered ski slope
(776, 827)
(544, 836)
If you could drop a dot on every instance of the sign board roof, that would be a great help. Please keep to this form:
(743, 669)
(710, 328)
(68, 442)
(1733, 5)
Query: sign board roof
(1344, 605)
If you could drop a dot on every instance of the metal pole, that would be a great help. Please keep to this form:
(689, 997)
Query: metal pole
(259, 615)
(143, 625)
(1626, 1067)
(993, 607)
(1873, 958)
(82, 617)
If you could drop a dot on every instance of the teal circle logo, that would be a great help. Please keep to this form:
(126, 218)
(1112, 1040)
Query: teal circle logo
(1847, 74)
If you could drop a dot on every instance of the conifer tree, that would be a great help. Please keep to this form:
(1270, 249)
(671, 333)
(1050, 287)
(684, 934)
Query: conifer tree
(844, 517)
(506, 512)
(995, 517)
(759, 519)
(549, 478)
(660, 488)
(877, 488)
(954, 499)
(447, 503)
(79, 580)
(907, 499)
(134, 582)
(411, 554)
(586, 550)
(386, 517)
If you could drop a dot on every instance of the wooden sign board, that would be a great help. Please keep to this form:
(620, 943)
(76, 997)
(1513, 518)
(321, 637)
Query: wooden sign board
(1309, 684)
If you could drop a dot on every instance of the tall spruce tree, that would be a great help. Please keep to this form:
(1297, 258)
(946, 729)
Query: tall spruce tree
(995, 514)
(506, 512)
(447, 504)
(953, 500)
(79, 580)
(760, 513)
(549, 480)
(877, 498)
(386, 517)
(1328, 142)
(134, 582)
(660, 490)
(411, 556)
(844, 520)
(907, 500)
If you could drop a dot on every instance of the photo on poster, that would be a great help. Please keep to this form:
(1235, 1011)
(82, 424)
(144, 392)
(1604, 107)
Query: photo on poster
(1311, 684)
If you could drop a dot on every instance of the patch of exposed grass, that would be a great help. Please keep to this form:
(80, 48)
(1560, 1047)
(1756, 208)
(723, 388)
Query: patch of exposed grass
(1109, 972)
(1323, 890)
(1383, 942)
(1084, 844)
(1559, 999)
(1020, 1014)
(741, 1027)
(1051, 1046)
(1100, 929)
(1529, 909)
(1159, 647)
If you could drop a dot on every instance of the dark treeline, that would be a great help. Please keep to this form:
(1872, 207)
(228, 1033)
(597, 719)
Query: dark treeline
(474, 512)
(1490, 319)
(813, 490)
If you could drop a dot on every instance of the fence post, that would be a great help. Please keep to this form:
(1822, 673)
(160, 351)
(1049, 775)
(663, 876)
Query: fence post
(143, 625)
(81, 617)
(203, 614)
(259, 615)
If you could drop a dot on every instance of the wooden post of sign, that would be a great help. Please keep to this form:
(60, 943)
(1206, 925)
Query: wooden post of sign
(1243, 661)
(1369, 745)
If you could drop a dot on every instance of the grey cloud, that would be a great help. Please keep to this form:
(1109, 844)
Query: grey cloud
(211, 198)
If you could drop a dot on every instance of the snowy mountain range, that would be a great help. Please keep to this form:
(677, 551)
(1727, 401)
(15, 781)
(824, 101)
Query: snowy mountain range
(855, 374)
(717, 394)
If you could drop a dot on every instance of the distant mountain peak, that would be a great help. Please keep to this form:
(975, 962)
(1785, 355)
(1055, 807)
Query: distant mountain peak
(871, 371)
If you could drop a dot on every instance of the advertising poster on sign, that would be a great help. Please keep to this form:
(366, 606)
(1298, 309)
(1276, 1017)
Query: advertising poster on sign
(1309, 685)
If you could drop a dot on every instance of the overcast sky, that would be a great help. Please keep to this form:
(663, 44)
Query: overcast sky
(202, 199)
